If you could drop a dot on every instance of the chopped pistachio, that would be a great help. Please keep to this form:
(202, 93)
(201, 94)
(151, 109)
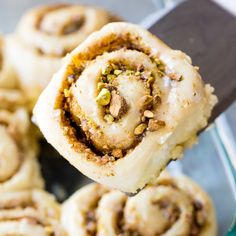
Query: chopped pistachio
(145, 102)
(117, 72)
(148, 114)
(129, 72)
(154, 125)
(161, 67)
(157, 60)
(140, 129)
(107, 70)
(100, 86)
(109, 118)
(118, 105)
(103, 97)
(66, 93)
(110, 77)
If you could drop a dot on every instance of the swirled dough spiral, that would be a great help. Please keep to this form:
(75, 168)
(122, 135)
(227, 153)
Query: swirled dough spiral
(43, 37)
(18, 148)
(27, 213)
(8, 78)
(170, 207)
(123, 105)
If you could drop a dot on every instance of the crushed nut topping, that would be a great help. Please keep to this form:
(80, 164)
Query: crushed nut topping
(140, 129)
(148, 114)
(109, 118)
(100, 86)
(103, 97)
(66, 93)
(154, 125)
(145, 102)
(117, 72)
(118, 105)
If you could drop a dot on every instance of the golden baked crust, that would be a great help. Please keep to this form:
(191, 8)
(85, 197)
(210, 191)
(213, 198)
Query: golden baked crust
(44, 36)
(172, 206)
(122, 106)
(32, 212)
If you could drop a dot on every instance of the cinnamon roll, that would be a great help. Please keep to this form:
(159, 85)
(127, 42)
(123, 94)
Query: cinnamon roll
(45, 35)
(8, 78)
(122, 106)
(172, 206)
(18, 148)
(29, 212)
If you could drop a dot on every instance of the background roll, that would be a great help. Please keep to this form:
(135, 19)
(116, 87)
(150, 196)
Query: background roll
(27, 213)
(172, 206)
(44, 36)
(18, 146)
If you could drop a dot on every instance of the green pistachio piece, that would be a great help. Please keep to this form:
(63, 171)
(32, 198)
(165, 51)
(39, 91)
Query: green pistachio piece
(66, 93)
(117, 72)
(107, 70)
(110, 77)
(100, 86)
(129, 72)
(103, 97)
(140, 129)
(148, 114)
(109, 118)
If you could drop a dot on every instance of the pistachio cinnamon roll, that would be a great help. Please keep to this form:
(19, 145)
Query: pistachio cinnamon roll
(45, 35)
(29, 212)
(172, 206)
(18, 166)
(8, 78)
(122, 106)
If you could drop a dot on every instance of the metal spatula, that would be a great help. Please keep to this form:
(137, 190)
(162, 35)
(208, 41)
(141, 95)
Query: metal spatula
(205, 32)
